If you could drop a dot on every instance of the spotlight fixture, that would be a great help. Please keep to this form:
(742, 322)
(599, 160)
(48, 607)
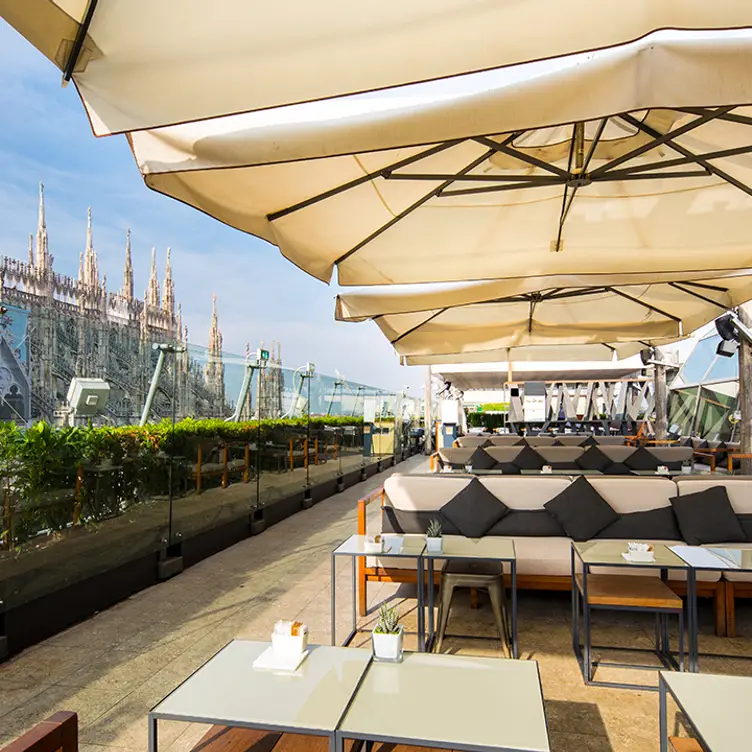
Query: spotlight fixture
(731, 331)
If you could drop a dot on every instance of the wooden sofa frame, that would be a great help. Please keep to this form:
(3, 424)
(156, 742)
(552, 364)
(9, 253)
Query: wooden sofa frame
(58, 733)
(722, 594)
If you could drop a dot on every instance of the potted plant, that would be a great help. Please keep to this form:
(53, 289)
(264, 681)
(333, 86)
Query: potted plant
(387, 636)
(434, 538)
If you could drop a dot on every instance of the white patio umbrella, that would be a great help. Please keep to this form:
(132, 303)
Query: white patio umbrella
(613, 315)
(147, 63)
(629, 159)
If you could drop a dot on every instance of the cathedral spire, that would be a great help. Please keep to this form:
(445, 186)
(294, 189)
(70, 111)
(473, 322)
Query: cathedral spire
(128, 273)
(214, 369)
(179, 323)
(168, 290)
(42, 249)
(90, 270)
(152, 296)
(215, 336)
(31, 249)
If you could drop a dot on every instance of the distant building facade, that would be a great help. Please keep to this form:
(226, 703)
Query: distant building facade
(76, 327)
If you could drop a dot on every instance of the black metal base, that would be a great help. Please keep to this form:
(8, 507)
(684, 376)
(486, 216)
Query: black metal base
(169, 567)
(307, 502)
(258, 523)
(3, 647)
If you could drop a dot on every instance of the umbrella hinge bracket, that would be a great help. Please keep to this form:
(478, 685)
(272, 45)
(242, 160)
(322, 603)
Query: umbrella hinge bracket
(578, 181)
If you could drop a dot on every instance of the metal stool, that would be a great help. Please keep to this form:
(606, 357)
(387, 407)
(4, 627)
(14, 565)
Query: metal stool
(482, 575)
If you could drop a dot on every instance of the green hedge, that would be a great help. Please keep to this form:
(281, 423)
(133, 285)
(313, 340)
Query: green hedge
(488, 420)
(46, 471)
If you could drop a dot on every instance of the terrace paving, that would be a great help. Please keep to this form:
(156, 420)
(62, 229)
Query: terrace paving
(114, 667)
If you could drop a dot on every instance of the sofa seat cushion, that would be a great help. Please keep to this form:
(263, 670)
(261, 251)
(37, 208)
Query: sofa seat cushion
(635, 494)
(527, 522)
(561, 457)
(457, 457)
(543, 555)
(472, 442)
(639, 526)
(707, 517)
(474, 510)
(525, 492)
(581, 510)
(505, 440)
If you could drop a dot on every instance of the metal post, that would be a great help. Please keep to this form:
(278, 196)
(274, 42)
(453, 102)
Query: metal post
(661, 401)
(427, 413)
(515, 647)
(244, 387)
(258, 428)
(152, 388)
(662, 714)
(745, 394)
(334, 611)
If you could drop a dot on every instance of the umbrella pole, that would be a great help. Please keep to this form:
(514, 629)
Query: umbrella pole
(745, 394)
(661, 400)
(427, 415)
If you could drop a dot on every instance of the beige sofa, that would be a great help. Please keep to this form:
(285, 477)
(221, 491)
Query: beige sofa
(408, 502)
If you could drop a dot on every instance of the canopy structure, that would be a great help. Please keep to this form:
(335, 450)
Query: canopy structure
(636, 158)
(610, 315)
(143, 64)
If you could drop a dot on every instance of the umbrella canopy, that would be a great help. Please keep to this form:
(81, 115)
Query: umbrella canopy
(636, 158)
(141, 64)
(468, 321)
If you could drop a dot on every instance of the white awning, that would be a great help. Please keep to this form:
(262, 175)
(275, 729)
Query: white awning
(148, 63)
(632, 159)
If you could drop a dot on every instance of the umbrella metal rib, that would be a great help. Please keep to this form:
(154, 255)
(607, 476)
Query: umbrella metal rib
(574, 177)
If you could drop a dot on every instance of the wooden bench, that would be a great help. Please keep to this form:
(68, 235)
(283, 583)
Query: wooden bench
(716, 590)
(228, 739)
(683, 744)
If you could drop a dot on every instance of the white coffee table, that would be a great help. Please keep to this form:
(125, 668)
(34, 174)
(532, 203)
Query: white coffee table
(450, 701)
(716, 706)
(228, 691)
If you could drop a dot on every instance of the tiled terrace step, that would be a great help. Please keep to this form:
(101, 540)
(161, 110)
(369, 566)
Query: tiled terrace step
(227, 739)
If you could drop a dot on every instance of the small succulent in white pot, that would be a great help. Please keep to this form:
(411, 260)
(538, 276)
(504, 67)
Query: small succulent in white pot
(434, 538)
(388, 635)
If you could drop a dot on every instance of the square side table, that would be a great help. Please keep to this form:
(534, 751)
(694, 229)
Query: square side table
(228, 691)
(398, 547)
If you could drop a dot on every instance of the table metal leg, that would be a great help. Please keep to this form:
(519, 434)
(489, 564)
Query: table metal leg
(354, 599)
(515, 649)
(665, 643)
(575, 608)
(152, 733)
(692, 620)
(681, 641)
(333, 596)
(421, 607)
(430, 630)
(586, 625)
(663, 715)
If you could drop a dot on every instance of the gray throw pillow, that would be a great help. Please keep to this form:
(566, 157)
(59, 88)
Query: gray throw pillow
(581, 510)
(474, 510)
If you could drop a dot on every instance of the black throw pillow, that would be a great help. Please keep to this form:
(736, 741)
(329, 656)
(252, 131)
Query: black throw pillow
(581, 510)
(529, 459)
(707, 517)
(593, 459)
(474, 510)
(482, 460)
(642, 459)
(650, 524)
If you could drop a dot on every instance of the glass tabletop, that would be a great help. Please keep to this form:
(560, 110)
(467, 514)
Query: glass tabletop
(488, 547)
(608, 552)
(488, 703)
(228, 690)
(716, 557)
(394, 545)
(717, 706)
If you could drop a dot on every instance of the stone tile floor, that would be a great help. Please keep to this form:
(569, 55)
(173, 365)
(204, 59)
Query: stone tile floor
(114, 667)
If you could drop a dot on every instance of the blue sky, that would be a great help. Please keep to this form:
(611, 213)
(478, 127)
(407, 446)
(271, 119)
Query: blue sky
(44, 135)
